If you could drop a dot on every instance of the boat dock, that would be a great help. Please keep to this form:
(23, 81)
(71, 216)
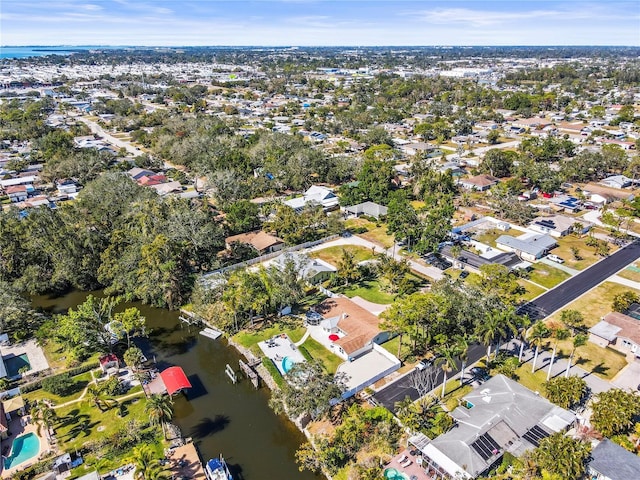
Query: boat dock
(185, 463)
(211, 333)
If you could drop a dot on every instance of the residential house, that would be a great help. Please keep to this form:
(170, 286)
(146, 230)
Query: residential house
(609, 461)
(618, 331)
(316, 194)
(137, 173)
(529, 246)
(313, 270)
(168, 187)
(617, 181)
(558, 225)
(474, 261)
(371, 209)
(499, 416)
(27, 181)
(531, 123)
(109, 362)
(601, 194)
(66, 187)
(357, 328)
(261, 241)
(415, 148)
(479, 182)
(17, 193)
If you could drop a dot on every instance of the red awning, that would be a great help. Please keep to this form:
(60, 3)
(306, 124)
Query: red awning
(175, 379)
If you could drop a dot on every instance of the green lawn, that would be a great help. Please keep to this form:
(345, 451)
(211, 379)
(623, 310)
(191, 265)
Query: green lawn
(632, 272)
(376, 233)
(532, 290)
(81, 381)
(319, 352)
(250, 339)
(488, 237)
(547, 276)
(391, 346)
(333, 255)
(453, 393)
(588, 257)
(369, 290)
(79, 423)
(596, 303)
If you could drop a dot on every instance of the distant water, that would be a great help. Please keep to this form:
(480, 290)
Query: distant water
(40, 51)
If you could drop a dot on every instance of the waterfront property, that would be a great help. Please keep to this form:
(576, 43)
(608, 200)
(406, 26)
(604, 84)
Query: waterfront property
(282, 352)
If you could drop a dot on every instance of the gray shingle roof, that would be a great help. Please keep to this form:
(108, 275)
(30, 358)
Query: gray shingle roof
(614, 462)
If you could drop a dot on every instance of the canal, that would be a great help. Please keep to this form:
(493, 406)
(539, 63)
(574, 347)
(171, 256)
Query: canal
(234, 420)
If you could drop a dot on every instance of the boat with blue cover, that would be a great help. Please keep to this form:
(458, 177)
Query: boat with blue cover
(216, 469)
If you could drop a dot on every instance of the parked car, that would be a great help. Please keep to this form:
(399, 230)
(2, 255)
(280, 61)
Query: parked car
(423, 364)
(480, 374)
(463, 274)
(555, 258)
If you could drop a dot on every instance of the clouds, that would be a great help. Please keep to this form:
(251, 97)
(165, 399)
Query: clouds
(317, 22)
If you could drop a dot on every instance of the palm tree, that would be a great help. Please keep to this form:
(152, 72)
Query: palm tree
(462, 342)
(557, 333)
(536, 337)
(160, 410)
(447, 360)
(495, 327)
(524, 322)
(44, 415)
(579, 340)
(146, 465)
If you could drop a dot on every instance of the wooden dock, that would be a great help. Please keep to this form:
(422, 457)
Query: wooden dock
(185, 463)
(250, 374)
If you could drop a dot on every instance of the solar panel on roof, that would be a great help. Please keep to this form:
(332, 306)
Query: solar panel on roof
(485, 446)
(535, 434)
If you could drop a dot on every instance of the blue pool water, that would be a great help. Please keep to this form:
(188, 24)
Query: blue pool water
(14, 364)
(287, 364)
(23, 448)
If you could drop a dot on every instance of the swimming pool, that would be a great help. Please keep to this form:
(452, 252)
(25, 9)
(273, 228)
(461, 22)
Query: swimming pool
(287, 364)
(14, 364)
(23, 448)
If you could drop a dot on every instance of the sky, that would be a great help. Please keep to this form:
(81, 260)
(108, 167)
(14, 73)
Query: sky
(319, 22)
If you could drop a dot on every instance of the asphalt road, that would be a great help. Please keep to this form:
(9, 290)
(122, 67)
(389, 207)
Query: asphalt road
(401, 388)
(537, 309)
(568, 291)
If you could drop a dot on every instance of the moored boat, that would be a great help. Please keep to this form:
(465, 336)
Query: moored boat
(216, 469)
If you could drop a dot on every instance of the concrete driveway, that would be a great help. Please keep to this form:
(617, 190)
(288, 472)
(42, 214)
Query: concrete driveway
(628, 377)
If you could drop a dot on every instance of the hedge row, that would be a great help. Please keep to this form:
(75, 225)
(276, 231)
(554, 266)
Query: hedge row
(72, 372)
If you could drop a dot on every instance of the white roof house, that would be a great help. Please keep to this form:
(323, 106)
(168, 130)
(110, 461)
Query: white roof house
(315, 194)
(528, 246)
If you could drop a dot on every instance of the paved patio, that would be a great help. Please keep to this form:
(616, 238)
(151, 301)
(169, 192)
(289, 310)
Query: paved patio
(414, 470)
(279, 347)
(21, 426)
(37, 360)
(629, 377)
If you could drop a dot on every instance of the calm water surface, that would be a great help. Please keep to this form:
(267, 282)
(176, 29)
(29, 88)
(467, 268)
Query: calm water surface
(234, 420)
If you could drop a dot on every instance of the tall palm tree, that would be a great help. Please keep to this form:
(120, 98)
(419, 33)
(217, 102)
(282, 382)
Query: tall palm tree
(462, 342)
(578, 340)
(447, 360)
(536, 336)
(44, 415)
(558, 333)
(159, 408)
(495, 327)
(523, 324)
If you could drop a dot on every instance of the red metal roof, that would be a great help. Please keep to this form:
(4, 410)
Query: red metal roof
(175, 379)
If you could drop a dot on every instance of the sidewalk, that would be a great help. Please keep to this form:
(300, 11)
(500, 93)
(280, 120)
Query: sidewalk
(595, 383)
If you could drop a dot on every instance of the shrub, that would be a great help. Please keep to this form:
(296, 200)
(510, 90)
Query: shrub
(61, 385)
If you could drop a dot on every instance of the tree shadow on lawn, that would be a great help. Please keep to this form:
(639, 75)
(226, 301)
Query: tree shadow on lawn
(82, 427)
(71, 418)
